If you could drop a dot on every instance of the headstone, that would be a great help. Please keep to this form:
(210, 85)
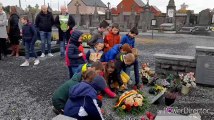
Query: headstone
(132, 17)
(205, 70)
(167, 115)
(145, 18)
(77, 16)
(95, 17)
(108, 12)
(171, 12)
(205, 17)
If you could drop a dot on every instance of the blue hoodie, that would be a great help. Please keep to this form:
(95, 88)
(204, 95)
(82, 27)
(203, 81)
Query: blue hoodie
(82, 103)
(129, 40)
(112, 53)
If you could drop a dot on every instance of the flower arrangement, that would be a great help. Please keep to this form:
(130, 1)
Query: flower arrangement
(149, 116)
(86, 37)
(133, 102)
(188, 79)
(148, 76)
(156, 89)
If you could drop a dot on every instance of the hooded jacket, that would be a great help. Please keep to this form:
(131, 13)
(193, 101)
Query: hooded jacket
(60, 96)
(129, 40)
(82, 103)
(111, 39)
(112, 53)
(73, 50)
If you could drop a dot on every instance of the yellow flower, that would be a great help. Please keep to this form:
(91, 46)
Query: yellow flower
(123, 107)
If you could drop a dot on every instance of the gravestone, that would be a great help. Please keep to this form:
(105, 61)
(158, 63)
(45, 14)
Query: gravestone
(77, 16)
(145, 18)
(205, 70)
(95, 17)
(205, 17)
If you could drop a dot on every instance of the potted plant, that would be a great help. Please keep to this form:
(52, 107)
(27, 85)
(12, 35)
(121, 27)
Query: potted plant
(188, 82)
(170, 96)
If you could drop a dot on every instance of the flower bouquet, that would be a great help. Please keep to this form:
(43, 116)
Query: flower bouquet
(85, 38)
(188, 81)
(133, 102)
(148, 76)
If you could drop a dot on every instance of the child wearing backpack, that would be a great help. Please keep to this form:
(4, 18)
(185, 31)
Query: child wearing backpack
(29, 36)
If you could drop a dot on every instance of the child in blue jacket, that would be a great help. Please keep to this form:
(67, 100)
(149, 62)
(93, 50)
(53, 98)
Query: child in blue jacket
(130, 39)
(82, 103)
(29, 35)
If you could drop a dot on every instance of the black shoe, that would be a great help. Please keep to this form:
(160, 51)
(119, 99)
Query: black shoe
(57, 112)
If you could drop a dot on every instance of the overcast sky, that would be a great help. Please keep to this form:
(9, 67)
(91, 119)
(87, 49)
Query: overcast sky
(196, 5)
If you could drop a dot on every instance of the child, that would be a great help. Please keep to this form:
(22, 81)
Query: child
(82, 103)
(112, 53)
(130, 39)
(74, 54)
(29, 36)
(98, 34)
(112, 38)
(60, 96)
(110, 74)
(121, 62)
(95, 53)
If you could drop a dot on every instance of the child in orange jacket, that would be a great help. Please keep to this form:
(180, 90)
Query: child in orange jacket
(112, 38)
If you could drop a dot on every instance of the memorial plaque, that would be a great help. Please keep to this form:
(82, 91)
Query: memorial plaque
(205, 70)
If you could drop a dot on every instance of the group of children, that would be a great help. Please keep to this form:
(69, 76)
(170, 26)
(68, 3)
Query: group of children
(105, 68)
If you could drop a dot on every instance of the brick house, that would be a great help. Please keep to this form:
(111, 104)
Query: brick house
(138, 5)
(86, 6)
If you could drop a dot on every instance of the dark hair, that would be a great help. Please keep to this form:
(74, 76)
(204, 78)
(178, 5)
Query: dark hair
(134, 30)
(25, 17)
(110, 64)
(98, 65)
(115, 25)
(104, 24)
(13, 10)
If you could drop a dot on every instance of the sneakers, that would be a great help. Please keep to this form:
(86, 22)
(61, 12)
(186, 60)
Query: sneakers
(36, 62)
(25, 64)
(43, 55)
(50, 55)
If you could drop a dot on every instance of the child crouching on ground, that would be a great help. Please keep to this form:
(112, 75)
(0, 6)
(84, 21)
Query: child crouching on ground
(110, 74)
(29, 36)
(121, 62)
(82, 103)
(60, 95)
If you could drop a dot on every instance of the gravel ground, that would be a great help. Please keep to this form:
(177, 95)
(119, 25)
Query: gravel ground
(26, 92)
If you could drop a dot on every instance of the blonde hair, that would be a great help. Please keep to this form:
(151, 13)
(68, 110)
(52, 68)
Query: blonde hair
(129, 58)
(135, 52)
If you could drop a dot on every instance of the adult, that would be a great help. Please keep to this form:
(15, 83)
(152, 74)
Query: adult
(64, 22)
(14, 31)
(3, 31)
(44, 22)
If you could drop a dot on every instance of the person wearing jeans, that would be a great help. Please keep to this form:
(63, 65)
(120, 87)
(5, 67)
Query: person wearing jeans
(64, 22)
(29, 35)
(44, 22)
(46, 39)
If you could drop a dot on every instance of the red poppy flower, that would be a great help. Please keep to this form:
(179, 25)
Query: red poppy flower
(128, 107)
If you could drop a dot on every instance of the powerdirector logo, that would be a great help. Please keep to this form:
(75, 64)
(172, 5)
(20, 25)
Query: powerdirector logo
(186, 110)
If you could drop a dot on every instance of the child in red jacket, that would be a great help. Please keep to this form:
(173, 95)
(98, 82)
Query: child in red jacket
(112, 37)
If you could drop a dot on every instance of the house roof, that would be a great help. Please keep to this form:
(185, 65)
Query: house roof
(140, 3)
(156, 8)
(92, 3)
